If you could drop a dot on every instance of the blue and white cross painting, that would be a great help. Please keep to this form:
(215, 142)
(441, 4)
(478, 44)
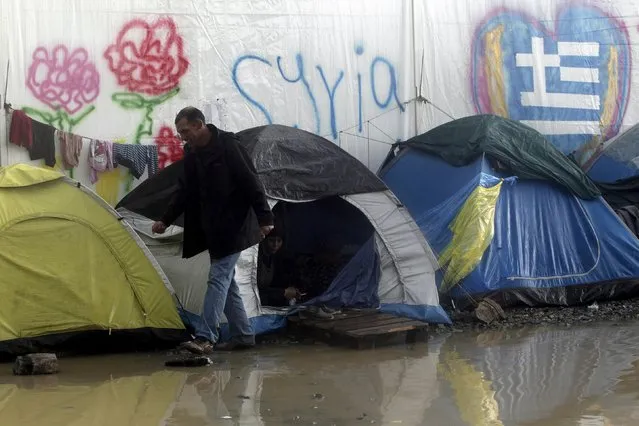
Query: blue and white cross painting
(570, 82)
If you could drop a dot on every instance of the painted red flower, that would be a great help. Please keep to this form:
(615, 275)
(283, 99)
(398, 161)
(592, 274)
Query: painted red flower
(63, 79)
(170, 148)
(148, 58)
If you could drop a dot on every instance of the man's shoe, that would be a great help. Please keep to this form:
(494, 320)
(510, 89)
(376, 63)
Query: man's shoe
(198, 346)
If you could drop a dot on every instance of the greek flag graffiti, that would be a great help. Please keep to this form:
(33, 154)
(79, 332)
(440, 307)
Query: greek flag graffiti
(568, 78)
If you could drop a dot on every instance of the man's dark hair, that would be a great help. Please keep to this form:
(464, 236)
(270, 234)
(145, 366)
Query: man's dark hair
(191, 114)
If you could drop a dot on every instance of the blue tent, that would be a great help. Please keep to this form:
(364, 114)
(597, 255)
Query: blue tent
(544, 244)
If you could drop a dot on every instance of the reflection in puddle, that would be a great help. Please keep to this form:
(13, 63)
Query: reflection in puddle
(578, 376)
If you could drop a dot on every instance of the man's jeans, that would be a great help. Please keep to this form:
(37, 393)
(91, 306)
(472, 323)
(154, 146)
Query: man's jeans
(223, 295)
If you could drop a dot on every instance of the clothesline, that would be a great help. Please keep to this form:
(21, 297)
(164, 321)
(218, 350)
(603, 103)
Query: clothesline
(40, 140)
(9, 108)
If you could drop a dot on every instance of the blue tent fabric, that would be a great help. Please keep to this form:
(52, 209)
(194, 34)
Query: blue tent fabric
(609, 170)
(356, 284)
(433, 314)
(549, 246)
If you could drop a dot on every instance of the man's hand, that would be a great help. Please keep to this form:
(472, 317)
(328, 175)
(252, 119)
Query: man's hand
(265, 230)
(158, 227)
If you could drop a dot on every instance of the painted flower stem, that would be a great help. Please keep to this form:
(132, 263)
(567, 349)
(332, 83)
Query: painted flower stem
(135, 101)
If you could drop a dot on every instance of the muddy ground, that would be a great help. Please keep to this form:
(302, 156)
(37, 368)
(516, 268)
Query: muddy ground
(614, 311)
(533, 376)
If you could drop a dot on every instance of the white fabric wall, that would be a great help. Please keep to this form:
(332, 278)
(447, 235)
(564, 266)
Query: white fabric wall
(228, 66)
(240, 62)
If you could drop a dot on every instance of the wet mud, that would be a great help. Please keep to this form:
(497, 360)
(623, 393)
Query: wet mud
(552, 375)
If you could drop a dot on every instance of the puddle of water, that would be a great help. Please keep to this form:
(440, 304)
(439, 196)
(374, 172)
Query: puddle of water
(577, 376)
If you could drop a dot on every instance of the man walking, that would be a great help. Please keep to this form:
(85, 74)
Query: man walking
(225, 211)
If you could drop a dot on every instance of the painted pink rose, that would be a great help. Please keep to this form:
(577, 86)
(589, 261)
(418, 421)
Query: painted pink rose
(170, 147)
(63, 79)
(148, 58)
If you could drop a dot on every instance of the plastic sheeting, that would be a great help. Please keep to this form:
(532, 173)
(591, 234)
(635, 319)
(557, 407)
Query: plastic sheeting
(473, 229)
(344, 70)
(511, 146)
(292, 164)
(549, 247)
(565, 68)
(327, 67)
(297, 165)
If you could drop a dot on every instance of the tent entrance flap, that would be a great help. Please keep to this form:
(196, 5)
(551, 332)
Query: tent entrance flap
(318, 239)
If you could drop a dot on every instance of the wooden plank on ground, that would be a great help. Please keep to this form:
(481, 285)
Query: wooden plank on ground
(354, 323)
(388, 328)
(363, 329)
(337, 318)
(373, 323)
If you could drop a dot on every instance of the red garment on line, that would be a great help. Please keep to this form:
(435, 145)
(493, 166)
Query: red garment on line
(20, 132)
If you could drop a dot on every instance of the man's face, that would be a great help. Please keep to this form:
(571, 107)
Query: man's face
(189, 131)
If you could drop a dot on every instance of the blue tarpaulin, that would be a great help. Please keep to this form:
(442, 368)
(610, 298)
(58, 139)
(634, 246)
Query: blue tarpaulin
(549, 246)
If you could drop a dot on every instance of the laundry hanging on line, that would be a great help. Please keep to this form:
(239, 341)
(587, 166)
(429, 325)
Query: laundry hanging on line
(70, 148)
(20, 129)
(43, 146)
(100, 158)
(38, 138)
(136, 158)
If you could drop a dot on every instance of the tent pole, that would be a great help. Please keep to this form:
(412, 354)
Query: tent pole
(415, 103)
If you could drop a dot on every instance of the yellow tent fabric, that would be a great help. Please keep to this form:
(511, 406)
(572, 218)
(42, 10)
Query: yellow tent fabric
(20, 175)
(68, 264)
(473, 229)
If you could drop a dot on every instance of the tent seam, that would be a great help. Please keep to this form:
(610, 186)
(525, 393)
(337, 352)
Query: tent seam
(128, 228)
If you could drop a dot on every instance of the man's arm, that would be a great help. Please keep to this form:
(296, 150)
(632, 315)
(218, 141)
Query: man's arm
(244, 171)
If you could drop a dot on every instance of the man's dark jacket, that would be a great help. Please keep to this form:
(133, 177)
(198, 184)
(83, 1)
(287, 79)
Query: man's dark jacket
(222, 198)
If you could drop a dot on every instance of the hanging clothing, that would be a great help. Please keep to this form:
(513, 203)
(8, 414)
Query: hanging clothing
(43, 146)
(100, 158)
(20, 129)
(136, 158)
(70, 148)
